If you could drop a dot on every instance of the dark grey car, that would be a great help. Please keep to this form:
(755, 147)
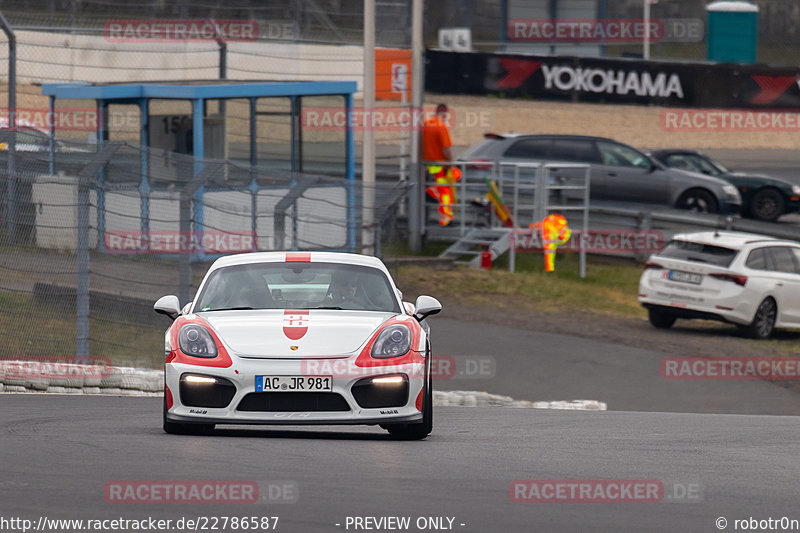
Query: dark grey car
(618, 171)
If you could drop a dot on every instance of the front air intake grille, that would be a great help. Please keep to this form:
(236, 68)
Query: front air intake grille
(371, 395)
(215, 395)
(292, 401)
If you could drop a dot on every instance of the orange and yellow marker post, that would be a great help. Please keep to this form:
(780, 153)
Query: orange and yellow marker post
(555, 232)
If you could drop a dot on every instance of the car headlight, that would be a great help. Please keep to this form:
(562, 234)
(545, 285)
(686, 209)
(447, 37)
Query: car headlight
(731, 191)
(796, 190)
(195, 340)
(393, 341)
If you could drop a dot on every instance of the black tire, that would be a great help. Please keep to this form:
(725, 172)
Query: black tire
(661, 319)
(699, 201)
(767, 204)
(763, 323)
(418, 430)
(177, 428)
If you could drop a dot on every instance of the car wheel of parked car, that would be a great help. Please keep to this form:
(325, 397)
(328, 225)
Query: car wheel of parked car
(767, 204)
(763, 323)
(661, 319)
(699, 201)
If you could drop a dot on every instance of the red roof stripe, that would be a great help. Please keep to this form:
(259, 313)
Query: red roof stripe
(298, 257)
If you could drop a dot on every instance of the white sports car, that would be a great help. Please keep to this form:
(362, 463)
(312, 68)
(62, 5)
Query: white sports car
(298, 338)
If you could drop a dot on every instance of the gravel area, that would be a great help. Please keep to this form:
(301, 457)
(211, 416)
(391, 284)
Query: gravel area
(637, 125)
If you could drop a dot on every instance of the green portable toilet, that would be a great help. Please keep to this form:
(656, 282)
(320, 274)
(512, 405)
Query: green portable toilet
(732, 31)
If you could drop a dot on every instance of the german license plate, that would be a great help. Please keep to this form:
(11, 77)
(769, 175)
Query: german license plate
(294, 383)
(685, 277)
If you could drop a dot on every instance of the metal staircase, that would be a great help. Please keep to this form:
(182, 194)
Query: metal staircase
(475, 242)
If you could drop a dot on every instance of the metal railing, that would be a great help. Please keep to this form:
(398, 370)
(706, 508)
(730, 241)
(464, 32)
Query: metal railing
(527, 188)
(542, 187)
(514, 183)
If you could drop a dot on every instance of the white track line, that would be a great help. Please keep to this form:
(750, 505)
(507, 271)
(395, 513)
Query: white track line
(41, 377)
(484, 399)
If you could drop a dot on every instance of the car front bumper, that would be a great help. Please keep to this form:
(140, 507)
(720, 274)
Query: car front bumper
(248, 406)
(792, 206)
(729, 208)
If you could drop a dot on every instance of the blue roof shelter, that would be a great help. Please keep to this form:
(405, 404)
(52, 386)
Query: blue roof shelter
(198, 93)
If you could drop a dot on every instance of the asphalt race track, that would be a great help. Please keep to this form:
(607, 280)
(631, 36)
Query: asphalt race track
(717, 449)
(59, 452)
(534, 365)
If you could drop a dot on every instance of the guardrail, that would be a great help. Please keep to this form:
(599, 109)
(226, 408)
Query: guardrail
(680, 221)
(517, 187)
(519, 191)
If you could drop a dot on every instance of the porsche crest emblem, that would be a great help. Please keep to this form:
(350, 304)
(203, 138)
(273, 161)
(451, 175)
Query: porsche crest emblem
(293, 348)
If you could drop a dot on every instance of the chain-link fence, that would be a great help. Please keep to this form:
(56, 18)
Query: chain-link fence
(75, 41)
(93, 235)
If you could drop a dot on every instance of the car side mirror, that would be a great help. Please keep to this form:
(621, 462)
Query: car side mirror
(168, 305)
(426, 306)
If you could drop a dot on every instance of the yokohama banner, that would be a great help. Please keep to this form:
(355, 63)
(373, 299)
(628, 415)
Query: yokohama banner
(612, 80)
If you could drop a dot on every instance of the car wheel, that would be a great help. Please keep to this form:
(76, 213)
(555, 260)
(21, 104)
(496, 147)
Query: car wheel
(418, 430)
(699, 201)
(767, 204)
(176, 428)
(763, 323)
(661, 319)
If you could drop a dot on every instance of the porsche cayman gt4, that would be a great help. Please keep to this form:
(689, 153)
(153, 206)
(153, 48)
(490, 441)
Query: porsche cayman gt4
(298, 338)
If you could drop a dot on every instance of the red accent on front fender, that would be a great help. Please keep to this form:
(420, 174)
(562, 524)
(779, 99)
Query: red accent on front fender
(418, 403)
(222, 360)
(365, 358)
(169, 398)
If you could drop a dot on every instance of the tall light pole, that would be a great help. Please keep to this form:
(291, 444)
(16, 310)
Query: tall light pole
(646, 47)
(416, 203)
(11, 193)
(368, 142)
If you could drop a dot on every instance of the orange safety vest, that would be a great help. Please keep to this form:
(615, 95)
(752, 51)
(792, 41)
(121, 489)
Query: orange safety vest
(443, 191)
(555, 232)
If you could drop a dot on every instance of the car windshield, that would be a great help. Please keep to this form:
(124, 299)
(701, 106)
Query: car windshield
(297, 286)
(695, 163)
(616, 154)
(697, 252)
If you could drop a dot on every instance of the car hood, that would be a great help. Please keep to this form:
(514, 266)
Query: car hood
(271, 333)
(695, 177)
(742, 178)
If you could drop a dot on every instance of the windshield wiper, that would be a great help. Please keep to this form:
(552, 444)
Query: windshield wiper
(328, 307)
(697, 259)
(237, 308)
